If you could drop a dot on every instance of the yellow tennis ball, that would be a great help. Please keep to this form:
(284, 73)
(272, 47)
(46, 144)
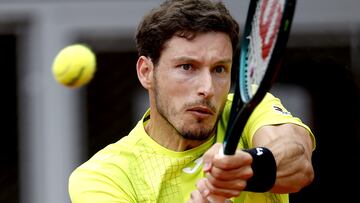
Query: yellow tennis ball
(74, 65)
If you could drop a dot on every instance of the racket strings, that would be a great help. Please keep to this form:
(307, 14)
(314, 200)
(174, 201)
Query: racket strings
(268, 15)
(254, 72)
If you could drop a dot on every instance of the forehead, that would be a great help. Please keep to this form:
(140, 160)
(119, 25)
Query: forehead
(203, 45)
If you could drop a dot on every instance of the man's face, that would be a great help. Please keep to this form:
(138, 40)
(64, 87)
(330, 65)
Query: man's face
(191, 83)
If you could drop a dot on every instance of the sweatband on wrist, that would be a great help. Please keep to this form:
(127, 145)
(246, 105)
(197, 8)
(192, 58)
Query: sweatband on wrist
(264, 170)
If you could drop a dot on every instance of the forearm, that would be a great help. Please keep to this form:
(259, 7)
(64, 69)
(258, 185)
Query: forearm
(291, 146)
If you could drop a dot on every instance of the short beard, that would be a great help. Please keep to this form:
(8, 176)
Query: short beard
(199, 134)
(202, 135)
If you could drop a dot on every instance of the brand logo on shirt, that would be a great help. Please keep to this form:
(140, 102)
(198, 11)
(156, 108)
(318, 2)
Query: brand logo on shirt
(280, 110)
(191, 170)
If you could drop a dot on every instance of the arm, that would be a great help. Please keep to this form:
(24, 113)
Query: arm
(291, 146)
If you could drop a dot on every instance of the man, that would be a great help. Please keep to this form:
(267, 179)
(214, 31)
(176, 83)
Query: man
(186, 50)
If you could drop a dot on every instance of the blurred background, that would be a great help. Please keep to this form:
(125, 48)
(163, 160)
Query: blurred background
(49, 129)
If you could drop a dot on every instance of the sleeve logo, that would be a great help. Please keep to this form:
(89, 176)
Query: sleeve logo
(281, 111)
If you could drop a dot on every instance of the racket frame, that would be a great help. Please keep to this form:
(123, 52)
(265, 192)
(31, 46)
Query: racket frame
(242, 109)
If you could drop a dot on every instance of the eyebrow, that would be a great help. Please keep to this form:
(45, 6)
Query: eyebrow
(225, 61)
(190, 59)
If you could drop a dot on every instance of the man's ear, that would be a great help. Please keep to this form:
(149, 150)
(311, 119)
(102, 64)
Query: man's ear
(144, 69)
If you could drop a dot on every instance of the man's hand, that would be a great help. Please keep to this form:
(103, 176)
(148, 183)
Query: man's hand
(291, 146)
(226, 176)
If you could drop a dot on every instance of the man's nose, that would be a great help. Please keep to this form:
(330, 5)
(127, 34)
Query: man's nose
(206, 86)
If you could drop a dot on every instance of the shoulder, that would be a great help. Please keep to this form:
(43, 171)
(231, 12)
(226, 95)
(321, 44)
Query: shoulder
(270, 111)
(101, 175)
(106, 174)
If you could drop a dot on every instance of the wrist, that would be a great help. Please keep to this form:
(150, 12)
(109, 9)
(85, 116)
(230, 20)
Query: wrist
(264, 170)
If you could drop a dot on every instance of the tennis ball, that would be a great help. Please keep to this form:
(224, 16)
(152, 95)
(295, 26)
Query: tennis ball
(74, 65)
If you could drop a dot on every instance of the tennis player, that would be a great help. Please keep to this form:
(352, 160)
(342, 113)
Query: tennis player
(186, 50)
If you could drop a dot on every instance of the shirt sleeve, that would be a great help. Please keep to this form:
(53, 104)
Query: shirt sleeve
(270, 111)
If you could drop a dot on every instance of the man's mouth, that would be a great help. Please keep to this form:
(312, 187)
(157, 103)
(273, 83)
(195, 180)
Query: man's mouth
(201, 111)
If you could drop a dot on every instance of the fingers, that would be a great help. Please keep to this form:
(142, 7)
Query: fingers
(196, 197)
(226, 175)
(226, 162)
(230, 172)
(227, 189)
(207, 190)
(209, 156)
(227, 192)
(231, 184)
(229, 162)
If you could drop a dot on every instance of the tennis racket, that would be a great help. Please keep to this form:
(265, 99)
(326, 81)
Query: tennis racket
(263, 45)
(265, 36)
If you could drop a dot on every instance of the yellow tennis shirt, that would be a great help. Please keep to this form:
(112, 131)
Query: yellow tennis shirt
(137, 169)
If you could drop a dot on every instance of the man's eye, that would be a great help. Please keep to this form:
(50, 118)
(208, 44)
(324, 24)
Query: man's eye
(186, 66)
(220, 69)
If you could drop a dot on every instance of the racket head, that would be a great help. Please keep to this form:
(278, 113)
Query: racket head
(263, 44)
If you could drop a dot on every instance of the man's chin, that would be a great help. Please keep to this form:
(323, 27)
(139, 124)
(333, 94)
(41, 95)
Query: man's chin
(201, 135)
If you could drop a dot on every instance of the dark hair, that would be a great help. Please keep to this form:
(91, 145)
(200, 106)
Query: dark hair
(183, 18)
